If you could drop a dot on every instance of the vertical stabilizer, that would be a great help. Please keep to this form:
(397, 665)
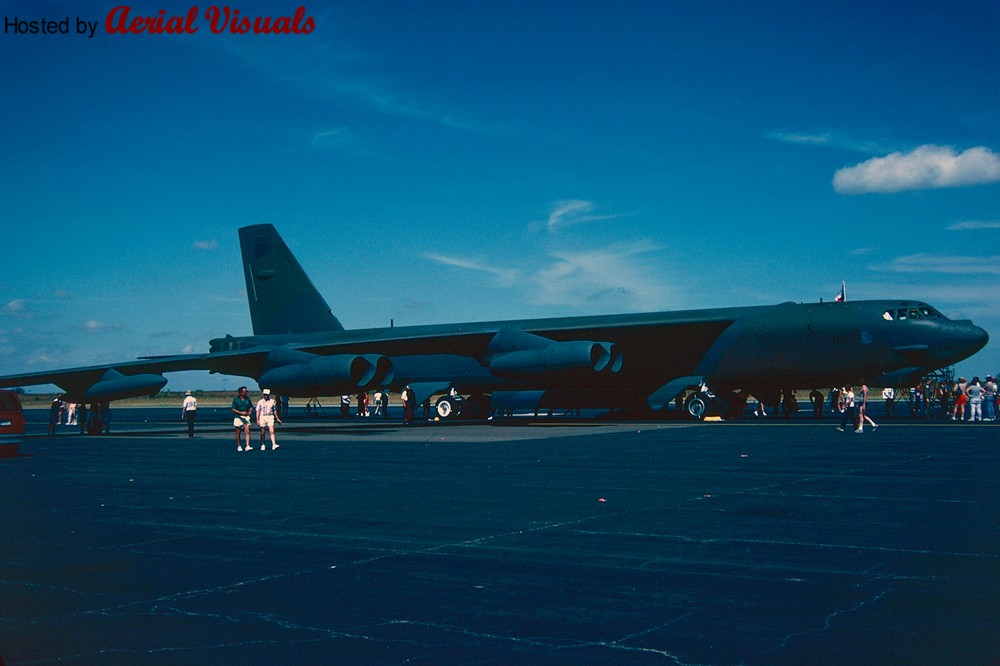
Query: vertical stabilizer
(282, 298)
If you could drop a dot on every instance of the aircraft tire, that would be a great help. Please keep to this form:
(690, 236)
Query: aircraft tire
(696, 406)
(447, 407)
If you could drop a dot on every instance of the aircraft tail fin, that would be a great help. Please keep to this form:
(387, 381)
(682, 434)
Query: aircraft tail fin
(282, 298)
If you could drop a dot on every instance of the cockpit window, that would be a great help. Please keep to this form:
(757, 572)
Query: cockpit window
(922, 311)
(929, 312)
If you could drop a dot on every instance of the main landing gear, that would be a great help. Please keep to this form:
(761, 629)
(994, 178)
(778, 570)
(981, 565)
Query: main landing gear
(455, 406)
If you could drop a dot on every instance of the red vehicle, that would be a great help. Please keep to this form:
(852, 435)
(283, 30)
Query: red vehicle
(11, 423)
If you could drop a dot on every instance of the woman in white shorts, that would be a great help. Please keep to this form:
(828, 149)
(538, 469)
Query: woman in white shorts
(267, 414)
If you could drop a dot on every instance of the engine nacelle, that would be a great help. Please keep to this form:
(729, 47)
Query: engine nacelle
(301, 374)
(559, 358)
(113, 385)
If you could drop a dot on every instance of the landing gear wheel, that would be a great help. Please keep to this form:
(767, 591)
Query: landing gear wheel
(696, 406)
(448, 407)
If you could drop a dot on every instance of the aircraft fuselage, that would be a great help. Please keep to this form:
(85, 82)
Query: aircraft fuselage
(756, 348)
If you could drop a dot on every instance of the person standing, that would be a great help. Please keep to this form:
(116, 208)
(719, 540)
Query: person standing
(266, 416)
(106, 417)
(958, 390)
(989, 398)
(974, 391)
(83, 418)
(189, 408)
(817, 399)
(889, 395)
(408, 397)
(846, 407)
(55, 409)
(242, 408)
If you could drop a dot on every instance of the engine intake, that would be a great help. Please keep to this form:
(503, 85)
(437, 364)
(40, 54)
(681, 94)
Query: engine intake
(558, 358)
(301, 374)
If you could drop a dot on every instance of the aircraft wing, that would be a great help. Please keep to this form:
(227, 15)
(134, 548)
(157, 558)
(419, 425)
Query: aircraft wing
(135, 378)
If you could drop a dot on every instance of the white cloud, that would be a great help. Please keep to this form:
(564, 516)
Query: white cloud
(824, 140)
(949, 264)
(504, 276)
(967, 225)
(613, 275)
(801, 138)
(16, 308)
(330, 138)
(95, 326)
(206, 244)
(927, 167)
(573, 211)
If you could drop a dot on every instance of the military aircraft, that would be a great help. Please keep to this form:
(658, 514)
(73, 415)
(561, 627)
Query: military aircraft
(299, 348)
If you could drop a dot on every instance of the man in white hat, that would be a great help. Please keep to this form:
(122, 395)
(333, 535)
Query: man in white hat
(266, 416)
(188, 410)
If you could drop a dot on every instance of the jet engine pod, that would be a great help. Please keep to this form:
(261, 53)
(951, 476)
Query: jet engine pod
(384, 371)
(315, 375)
(558, 358)
(113, 385)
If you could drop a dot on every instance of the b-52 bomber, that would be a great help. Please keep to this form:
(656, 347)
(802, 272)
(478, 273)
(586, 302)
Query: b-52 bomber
(299, 348)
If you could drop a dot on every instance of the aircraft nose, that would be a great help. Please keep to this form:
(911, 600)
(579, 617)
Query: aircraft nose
(965, 339)
(981, 337)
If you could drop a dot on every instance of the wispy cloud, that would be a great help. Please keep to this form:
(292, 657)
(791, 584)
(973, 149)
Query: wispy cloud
(504, 276)
(17, 308)
(968, 225)
(800, 138)
(824, 140)
(206, 244)
(325, 64)
(94, 326)
(42, 360)
(570, 212)
(613, 275)
(927, 167)
(948, 264)
(332, 137)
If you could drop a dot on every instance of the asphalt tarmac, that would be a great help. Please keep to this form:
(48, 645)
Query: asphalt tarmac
(590, 543)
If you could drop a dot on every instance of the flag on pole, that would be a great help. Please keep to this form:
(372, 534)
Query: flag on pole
(842, 294)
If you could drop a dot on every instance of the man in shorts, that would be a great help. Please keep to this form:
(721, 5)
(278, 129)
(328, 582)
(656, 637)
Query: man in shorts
(266, 416)
(242, 408)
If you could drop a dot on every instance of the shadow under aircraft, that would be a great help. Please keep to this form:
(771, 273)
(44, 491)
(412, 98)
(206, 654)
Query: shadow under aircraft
(299, 348)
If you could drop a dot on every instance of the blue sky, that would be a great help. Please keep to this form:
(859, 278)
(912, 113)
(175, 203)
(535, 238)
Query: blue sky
(455, 161)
